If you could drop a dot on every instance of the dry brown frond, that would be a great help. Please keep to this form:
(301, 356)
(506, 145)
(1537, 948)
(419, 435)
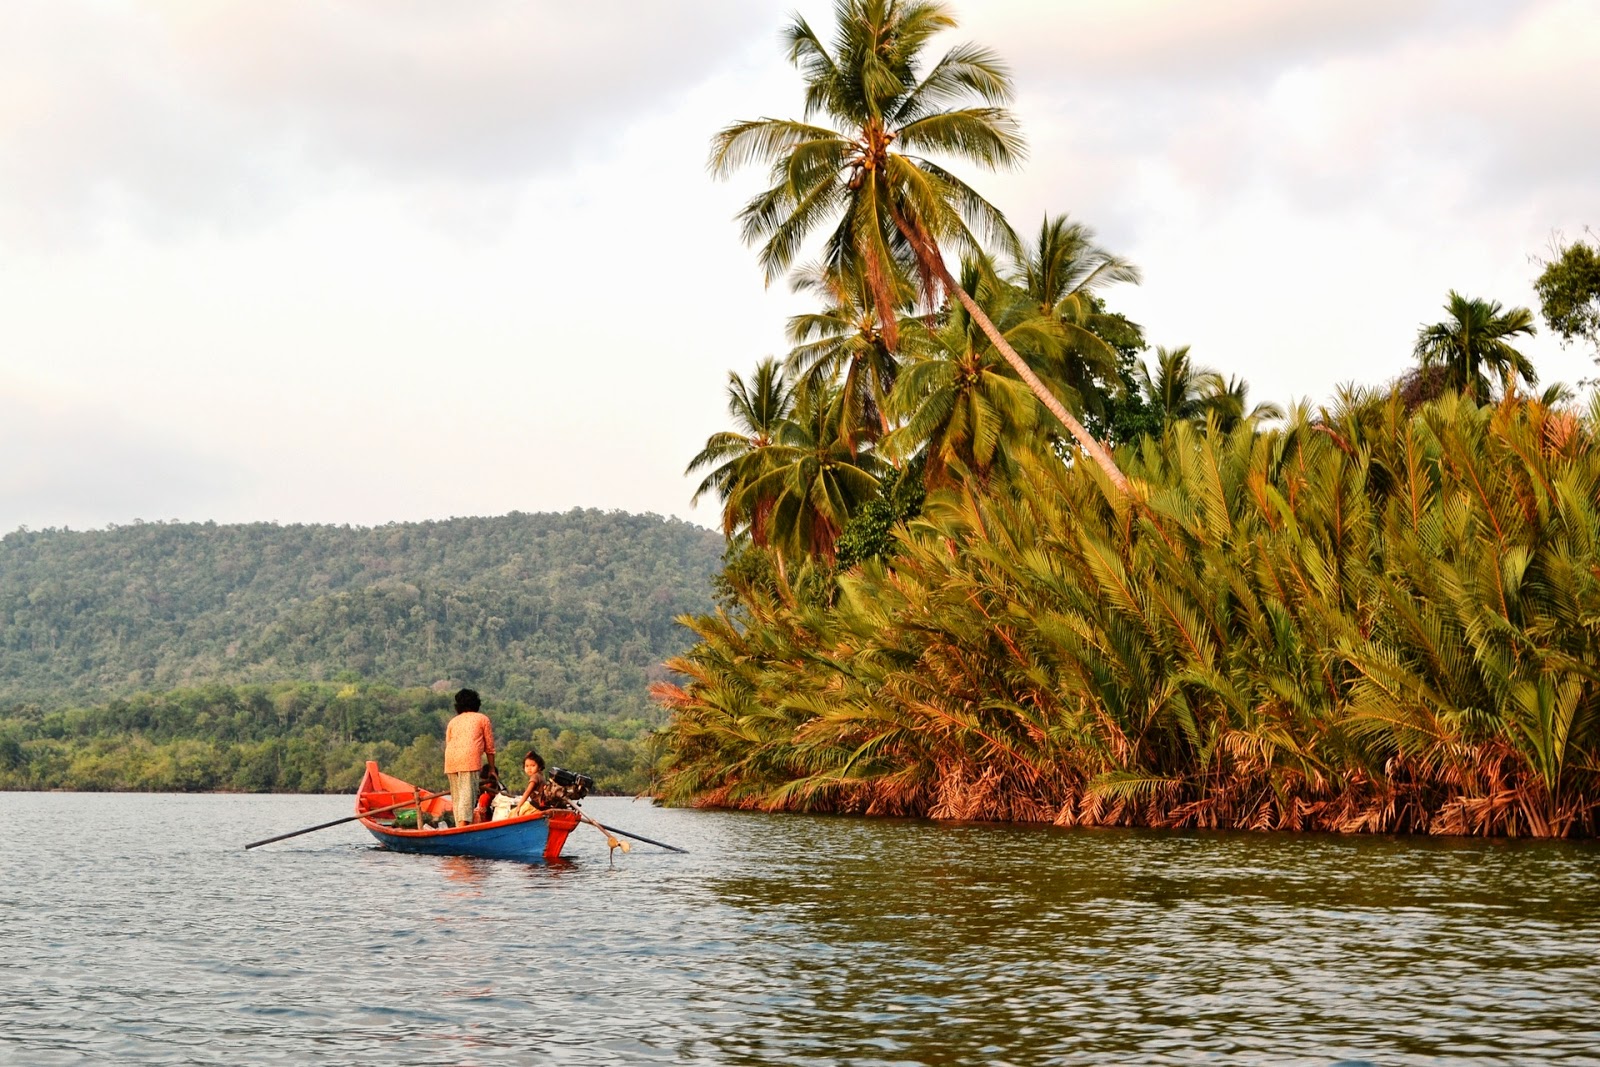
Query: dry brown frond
(1264, 816)
(1561, 434)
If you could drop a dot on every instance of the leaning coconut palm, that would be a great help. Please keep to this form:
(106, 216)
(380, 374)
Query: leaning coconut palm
(738, 458)
(845, 343)
(1476, 336)
(1060, 271)
(892, 209)
(812, 481)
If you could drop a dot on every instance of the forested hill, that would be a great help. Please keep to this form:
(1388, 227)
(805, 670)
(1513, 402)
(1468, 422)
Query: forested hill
(572, 612)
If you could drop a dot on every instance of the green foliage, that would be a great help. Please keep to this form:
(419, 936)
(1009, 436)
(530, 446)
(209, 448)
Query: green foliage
(1183, 391)
(962, 385)
(1059, 272)
(1477, 336)
(874, 89)
(744, 567)
(735, 460)
(870, 534)
(814, 479)
(964, 410)
(788, 475)
(1377, 617)
(1369, 620)
(1569, 294)
(1121, 412)
(844, 348)
(571, 611)
(292, 738)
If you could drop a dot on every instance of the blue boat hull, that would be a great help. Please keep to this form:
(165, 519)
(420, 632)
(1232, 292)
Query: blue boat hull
(514, 839)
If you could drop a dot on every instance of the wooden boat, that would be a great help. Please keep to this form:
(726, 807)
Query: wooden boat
(524, 837)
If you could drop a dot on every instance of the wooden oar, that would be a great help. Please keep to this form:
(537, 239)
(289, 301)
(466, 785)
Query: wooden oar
(349, 818)
(610, 840)
(636, 837)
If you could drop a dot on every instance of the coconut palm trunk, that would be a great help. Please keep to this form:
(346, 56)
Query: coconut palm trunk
(928, 253)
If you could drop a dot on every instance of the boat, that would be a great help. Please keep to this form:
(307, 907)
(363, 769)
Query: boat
(534, 837)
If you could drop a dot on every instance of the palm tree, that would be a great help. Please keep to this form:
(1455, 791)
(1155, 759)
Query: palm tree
(962, 406)
(1060, 272)
(812, 480)
(736, 459)
(845, 343)
(1475, 336)
(1180, 389)
(891, 208)
(1228, 402)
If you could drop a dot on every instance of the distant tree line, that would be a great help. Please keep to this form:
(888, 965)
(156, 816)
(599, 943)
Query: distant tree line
(291, 737)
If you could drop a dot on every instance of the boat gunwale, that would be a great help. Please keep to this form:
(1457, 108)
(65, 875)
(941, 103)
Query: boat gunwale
(516, 820)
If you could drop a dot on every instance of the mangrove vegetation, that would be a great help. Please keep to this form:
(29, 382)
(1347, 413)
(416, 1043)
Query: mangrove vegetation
(990, 556)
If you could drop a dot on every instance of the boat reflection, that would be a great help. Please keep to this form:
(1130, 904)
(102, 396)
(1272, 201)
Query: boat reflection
(466, 872)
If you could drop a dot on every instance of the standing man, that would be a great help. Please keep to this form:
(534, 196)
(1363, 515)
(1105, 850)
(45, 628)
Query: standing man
(467, 740)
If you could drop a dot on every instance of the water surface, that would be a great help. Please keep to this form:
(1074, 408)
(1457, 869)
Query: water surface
(134, 928)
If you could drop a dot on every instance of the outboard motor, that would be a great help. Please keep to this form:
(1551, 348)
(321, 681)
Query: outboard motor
(575, 785)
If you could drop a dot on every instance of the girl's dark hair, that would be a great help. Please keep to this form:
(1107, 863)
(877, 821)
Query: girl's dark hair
(538, 759)
(467, 700)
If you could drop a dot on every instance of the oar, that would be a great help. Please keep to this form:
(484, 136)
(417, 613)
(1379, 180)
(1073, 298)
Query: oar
(337, 822)
(610, 840)
(636, 837)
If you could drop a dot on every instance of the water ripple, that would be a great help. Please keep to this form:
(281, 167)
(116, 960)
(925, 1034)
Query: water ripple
(147, 935)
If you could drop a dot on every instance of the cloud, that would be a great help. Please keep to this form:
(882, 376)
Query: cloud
(172, 114)
(1521, 104)
(1361, 107)
(70, 464)
(1274, 166)
(1184, 46)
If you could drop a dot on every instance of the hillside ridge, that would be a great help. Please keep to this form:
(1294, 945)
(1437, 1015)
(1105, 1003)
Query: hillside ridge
(571, 611)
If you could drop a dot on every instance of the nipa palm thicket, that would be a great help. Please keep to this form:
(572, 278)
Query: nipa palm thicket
(1367, 620)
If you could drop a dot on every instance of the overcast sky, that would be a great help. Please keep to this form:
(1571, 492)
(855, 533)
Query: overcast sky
(383, 260)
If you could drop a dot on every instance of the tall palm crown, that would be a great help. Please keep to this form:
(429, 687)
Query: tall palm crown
(845, 342)
(737, 459)
(1179, 389)
(964, 410)
(1228, 404)
(869, 87)
(812, 480)
(1060, 271)
(1474, 337)
(890, 207)
(1062, 267)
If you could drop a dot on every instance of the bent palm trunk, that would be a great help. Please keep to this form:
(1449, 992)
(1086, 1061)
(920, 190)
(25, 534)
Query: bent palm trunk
(1092, 448)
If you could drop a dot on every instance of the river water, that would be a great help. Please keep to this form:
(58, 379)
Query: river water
(135, 929)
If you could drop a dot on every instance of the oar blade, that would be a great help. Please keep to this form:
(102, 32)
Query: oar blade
(637, 837)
